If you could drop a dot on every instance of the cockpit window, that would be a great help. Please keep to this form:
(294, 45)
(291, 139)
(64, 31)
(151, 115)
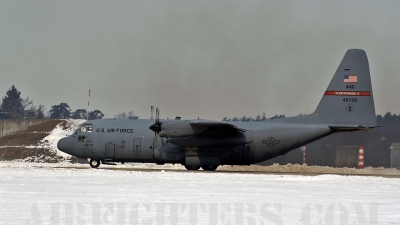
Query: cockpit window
(87, 127)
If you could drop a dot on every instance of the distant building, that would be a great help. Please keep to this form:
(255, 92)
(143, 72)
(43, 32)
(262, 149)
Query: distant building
(347, 156)
(395, 155)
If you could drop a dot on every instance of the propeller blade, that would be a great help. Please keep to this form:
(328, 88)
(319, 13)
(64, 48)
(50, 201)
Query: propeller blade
(157, 139)
(152, 111)
(157, 115)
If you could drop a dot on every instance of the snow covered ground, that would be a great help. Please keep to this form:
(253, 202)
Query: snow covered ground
(50, 142)
(32, 193)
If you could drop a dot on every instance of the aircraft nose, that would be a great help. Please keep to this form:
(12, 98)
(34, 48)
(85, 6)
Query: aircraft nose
(66, 145)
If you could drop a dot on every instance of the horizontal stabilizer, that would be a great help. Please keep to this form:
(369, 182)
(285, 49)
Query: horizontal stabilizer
(351, 127)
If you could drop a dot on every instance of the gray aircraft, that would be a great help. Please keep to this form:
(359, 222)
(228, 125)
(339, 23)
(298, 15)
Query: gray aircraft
(347, 105)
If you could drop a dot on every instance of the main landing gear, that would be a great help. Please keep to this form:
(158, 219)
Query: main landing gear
(207, 168)
(192, 167)
(94, 163)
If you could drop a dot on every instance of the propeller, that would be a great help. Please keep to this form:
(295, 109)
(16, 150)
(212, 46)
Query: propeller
(156, 127)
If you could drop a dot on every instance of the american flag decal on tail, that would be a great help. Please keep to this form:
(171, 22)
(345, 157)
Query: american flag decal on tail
(350, 79)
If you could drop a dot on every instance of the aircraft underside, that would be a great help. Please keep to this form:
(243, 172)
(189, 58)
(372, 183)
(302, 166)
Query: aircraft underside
(193, 158)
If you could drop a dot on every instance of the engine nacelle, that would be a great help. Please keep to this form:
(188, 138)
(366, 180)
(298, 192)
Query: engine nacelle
(208, 141)
(179, 128)
(170, 154)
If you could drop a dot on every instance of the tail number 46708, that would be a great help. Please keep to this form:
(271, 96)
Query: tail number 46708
(350, 99)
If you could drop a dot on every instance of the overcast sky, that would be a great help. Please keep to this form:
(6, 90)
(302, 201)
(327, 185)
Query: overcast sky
(207, 59)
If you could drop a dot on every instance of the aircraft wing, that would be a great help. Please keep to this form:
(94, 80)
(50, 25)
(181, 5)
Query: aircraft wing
(215, 125)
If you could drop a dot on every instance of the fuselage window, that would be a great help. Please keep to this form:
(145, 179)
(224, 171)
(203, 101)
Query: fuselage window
(81, 138)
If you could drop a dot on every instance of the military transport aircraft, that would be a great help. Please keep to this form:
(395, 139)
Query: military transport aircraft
(346, 105)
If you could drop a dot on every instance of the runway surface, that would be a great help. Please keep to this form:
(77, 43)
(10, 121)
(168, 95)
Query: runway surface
(140, 169)
(74, 194)
(253, 169)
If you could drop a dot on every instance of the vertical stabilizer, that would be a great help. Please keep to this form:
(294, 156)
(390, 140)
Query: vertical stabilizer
(349, 98)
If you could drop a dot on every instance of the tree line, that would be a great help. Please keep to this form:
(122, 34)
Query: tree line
(257, 118)
(13, 106)
(377, 143)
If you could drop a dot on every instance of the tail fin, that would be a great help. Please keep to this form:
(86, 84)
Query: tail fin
(348, 101)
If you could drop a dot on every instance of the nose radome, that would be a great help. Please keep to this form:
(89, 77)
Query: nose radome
(65, 145)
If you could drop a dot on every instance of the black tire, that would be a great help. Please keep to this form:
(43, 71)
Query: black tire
(94, 163)
(209, 168)
(192, 167)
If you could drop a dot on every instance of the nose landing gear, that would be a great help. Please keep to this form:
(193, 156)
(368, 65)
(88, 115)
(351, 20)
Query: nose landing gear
(94, 163)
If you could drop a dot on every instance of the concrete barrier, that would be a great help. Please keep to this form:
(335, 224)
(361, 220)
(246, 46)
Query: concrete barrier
(10, 126)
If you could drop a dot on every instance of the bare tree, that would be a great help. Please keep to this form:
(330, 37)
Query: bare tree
(125, 115)
(40, 112)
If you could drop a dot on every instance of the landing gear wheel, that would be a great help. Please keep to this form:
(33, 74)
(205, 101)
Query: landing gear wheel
(209, 168)
(94, 163)
(192, 167)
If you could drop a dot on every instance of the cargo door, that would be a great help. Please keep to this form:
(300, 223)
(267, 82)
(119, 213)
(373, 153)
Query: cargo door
(120, 150)
(110, 150)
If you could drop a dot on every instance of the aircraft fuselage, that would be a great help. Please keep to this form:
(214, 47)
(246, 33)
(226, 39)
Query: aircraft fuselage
(123, 140)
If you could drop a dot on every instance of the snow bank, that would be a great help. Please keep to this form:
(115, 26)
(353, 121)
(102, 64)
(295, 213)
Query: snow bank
(50, 141)
(296, 168)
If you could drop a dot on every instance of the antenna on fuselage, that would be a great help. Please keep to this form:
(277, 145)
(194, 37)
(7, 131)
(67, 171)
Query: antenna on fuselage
(87, 111)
